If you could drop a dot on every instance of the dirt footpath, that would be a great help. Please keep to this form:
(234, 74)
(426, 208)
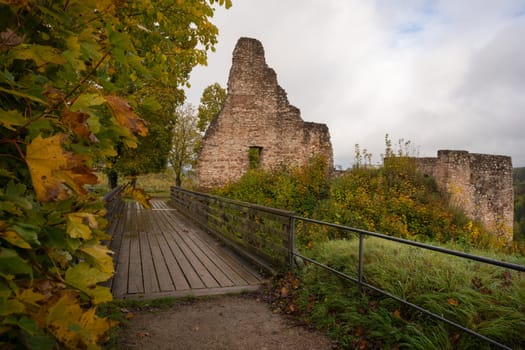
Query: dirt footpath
(219, 323)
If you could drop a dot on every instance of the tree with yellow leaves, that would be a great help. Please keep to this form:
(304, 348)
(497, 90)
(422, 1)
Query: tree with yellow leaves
(75, 79)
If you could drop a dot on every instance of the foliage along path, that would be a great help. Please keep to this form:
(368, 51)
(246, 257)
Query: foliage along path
(77, 81)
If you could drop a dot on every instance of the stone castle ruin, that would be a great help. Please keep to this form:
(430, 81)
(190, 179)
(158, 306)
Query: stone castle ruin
(257, 127)
(480, 184)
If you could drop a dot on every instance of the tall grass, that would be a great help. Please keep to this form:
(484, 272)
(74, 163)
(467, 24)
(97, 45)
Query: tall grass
(157, 184)
(487, 299)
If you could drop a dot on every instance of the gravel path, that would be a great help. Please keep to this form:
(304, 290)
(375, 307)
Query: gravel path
(219, 323)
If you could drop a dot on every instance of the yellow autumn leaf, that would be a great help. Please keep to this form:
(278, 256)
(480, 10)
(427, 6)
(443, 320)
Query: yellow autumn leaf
(29, 296)
(11, 306)
(452, 301)
(80, 225)
(76, 228)
(96, 326)
(125, 115)
(13, 238)
(98, 255)
(139, 195)
(62, 316)
(74, 327)
(55, 171)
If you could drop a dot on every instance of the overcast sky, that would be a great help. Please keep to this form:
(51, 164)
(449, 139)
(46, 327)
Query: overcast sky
(443, 74)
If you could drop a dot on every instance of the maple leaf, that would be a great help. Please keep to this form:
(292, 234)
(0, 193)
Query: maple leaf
(79, 225)
(74, 327)
(139, 195)
(76, 121)
(125, 115)
(11, 306)
(96, 326)
(85, 278)
(29, 296)
(97, 254)
(54, 170)
(11, 119)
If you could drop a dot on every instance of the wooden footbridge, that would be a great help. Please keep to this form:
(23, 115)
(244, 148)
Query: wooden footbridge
(160, 253)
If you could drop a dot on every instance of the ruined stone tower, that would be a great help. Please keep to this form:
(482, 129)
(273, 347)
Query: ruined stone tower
(257, 127)
(480, 184)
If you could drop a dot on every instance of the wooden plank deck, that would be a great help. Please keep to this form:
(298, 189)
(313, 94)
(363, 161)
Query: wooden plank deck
(159, 253)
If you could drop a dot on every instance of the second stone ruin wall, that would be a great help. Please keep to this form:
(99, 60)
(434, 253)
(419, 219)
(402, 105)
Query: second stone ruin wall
(480, 184)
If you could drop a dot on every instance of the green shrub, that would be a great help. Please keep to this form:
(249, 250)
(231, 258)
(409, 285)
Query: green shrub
(296, 189)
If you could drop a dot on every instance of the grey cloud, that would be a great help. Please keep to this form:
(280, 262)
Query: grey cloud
(444, 73)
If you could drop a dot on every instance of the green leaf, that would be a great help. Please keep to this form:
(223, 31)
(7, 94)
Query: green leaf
(28, 232)
(16, 193)
(40, 54)
(6, 173)
(23, 95)
(12, 263)
(85, 278)
(36, 128)
(120, 40)
(84, 102)
(5, 291)
(25, 323)
(41, 342)
(60, 240)
(10, 207)
(72, 54)
(10, 306)
(7, 77)
(12, 118)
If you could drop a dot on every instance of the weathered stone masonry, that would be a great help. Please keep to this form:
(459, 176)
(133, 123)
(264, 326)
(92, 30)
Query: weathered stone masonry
(480, 184)
(257, 119)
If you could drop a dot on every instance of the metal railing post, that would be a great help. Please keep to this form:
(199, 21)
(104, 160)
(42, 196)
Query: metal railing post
(291, 244)
(360, 268)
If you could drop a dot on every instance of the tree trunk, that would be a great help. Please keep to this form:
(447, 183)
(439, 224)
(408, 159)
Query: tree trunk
(112, 179)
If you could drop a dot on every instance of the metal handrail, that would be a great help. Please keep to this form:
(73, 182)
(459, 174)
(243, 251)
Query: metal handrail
(494, 262)
(361, 283)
